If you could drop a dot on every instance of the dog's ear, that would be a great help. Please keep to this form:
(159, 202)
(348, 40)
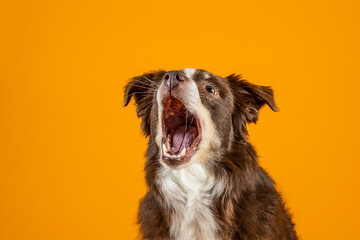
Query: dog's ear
(143, 89)
(248, 99)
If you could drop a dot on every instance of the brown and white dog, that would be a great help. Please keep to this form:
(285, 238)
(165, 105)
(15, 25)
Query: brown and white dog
(203, 176)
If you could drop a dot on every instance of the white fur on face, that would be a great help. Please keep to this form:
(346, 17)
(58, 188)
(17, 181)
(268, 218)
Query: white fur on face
(189, 72)
(206, 75)
(189, 189)
(158, 138)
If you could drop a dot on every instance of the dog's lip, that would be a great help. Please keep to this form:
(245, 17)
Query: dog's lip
(176, 159)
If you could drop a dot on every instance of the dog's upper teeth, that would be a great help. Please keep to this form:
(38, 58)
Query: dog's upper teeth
(168, 142)
(183, 152)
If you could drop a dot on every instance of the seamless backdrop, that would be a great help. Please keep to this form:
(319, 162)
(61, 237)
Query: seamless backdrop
(71, 158)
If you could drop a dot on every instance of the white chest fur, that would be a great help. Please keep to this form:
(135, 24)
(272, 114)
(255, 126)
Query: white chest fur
(188, 192)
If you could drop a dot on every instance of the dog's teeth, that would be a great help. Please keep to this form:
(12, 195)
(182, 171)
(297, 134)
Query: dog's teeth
(166, 149)
(183, 152)
(168, 142)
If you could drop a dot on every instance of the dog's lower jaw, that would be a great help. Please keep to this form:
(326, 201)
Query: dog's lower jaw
(188, 192)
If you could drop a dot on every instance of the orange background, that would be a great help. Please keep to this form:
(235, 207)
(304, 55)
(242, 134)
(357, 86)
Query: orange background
(71, 158)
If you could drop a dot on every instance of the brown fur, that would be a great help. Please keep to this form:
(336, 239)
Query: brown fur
(249, 207)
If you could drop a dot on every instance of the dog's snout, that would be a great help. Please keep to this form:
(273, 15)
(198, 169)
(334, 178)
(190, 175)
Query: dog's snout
(173, 78)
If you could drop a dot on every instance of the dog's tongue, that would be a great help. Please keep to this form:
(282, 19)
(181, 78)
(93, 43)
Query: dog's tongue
(182, 139)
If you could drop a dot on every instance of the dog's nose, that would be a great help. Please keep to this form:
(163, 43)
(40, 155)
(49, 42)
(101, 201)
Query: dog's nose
(172, 79)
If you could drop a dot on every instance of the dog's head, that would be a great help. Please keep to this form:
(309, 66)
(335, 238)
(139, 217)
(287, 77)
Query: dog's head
(194, 115)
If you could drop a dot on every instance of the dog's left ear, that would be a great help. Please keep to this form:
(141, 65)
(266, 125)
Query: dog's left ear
(143, 89)
(249, 98)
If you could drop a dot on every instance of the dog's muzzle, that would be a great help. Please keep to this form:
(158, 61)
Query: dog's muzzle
(181, 131)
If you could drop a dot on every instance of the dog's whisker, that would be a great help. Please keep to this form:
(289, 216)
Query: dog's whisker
(144, 86)
(148, 84)
(148, 105)
(222, 106)
(150, 80)
(143, 93)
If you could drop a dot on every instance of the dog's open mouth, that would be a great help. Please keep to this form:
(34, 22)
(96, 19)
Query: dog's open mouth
(181, 132)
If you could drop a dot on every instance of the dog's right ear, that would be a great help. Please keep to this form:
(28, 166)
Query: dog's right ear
(249, 98)
(142, 89)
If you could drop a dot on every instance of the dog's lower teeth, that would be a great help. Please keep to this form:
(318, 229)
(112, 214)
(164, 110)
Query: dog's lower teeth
(183, 152)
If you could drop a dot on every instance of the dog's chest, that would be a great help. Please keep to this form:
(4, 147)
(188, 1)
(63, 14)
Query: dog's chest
(188, 192)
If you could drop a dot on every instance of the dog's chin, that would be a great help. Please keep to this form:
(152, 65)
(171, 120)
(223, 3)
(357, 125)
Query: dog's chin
(181, 133)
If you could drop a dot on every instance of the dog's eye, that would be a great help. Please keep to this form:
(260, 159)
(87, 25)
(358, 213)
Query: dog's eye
(211, 89)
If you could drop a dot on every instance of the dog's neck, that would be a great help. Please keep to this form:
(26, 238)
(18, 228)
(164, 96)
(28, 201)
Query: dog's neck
(188, 191)
(191, 192)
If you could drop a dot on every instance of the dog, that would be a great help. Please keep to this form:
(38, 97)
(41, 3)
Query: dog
(204, 181)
